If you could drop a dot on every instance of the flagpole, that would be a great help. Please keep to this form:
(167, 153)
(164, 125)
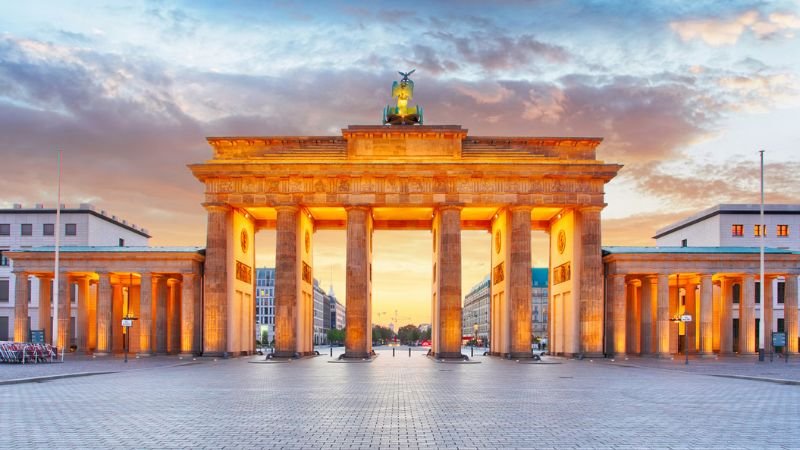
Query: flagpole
(56, 269)
(763, 326)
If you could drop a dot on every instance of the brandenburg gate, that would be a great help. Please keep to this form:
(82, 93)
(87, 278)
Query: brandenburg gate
(403, 175)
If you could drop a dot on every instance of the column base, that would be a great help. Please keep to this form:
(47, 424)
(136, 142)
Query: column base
(356, 355)
(449, 355)
(707, 355)
(186, 355)
(619, 356)
(145, 354)
(663, 355)
(101, 354)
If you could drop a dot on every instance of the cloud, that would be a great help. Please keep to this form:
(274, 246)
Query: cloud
(720, 32)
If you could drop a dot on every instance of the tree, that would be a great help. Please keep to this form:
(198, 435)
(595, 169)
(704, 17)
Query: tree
(381, 334)
(408, 334)
(425, 335)
(335, 336)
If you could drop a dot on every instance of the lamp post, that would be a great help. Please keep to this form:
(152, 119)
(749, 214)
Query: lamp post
(761, 332)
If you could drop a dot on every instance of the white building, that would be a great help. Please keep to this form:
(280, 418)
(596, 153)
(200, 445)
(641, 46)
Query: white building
(337, 311)
(22, 228)
(265, 303)
(735, 226)
(320, 333)
(265, 307)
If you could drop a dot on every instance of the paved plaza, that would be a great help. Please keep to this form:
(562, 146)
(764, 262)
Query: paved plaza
(402, 402)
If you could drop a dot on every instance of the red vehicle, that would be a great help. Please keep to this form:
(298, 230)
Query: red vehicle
(425, 343)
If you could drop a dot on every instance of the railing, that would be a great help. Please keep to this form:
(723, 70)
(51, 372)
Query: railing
(25, 352)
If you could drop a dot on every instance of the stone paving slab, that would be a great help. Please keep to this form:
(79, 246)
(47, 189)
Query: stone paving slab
(400, 402)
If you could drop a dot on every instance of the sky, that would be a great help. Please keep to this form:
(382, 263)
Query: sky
(683, 93)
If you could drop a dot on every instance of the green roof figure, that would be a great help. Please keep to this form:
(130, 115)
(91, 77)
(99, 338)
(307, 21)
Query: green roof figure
(402, 114)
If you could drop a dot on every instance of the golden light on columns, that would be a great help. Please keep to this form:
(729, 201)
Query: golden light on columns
(662, 316)
(187, 313)
(706, 315)
(618, 313)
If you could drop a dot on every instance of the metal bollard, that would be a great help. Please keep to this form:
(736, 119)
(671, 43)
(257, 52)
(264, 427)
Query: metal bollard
(331, 352)
(392, 352)
(472, 352)
(409, 352)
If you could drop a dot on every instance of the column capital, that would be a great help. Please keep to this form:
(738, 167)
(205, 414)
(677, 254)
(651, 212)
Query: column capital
(20, 273)
(44, 276)
(217, 207)
(449, 206)
(188, 275)
(357, 208)
(291, 208)
(705, 276)
(527, 208)
(591, 208)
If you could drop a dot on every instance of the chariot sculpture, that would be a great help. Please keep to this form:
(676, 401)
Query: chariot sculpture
(402, 114)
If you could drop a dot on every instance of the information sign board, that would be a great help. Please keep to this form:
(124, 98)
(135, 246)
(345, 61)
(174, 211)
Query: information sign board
(778, 339)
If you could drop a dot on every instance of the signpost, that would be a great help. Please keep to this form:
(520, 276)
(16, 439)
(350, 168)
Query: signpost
(127, 323)
(686, 318)
(779, 340)
(37, 337)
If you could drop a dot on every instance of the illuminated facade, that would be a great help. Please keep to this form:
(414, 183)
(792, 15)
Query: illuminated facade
(436, 178)
(159, 286)
(27, 227)
(647, 287)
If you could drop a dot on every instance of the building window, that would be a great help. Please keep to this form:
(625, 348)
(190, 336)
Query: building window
(4, 291)
(48, 229)
(26, 229)
(737, 230)
(70, 229)
(757, 230)
(758, 291)
(684, 242)
(3, 259)
(782, 231)
(781, 291)
(737, 293)
(5, 229)
(121, 242)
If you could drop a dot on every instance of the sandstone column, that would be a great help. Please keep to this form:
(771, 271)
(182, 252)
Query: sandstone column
(145, 314)
(591, 282)
(187, 315)
(21, 307)
(790, 312)
(519, 275)
(747, 321)
(104, 315)
(215, 301)
(173, 316)
(662, 317)
(649, 296)
(160, 329)
(726, 317)
(358, 333)
(64, 311)
(691, 308)
(766, 303)
(82, 323)
(46, 306)
(618, 302)
(633, 309)
(116, 317)
(287, 281)
(448, 285)
(91, 314)
(706, 316)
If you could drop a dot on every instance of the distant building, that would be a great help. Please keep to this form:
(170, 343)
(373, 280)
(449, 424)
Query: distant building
(23, 228)
(476, 311)
(265, 303)
(476, 307)
(423, 327)
(320, 332)
(735, 226)
(337, 311)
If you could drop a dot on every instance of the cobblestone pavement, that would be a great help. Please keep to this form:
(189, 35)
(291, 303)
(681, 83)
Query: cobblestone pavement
(80, 364)
(400, 402)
